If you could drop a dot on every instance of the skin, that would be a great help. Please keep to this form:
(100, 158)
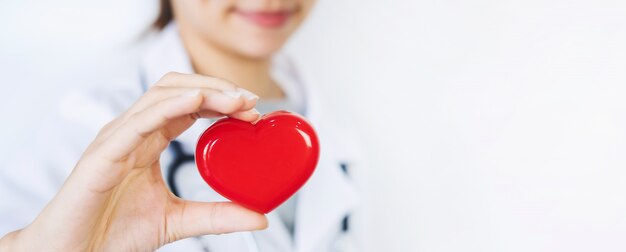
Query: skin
(115, 199)
(224, 44)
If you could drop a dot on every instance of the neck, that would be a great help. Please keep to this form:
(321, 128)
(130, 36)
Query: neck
(249, 73)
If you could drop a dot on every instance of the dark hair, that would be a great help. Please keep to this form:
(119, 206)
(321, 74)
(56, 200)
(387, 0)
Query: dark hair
(165, 15)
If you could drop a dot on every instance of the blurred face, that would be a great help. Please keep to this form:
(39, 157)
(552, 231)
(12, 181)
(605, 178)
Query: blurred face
(248, 28)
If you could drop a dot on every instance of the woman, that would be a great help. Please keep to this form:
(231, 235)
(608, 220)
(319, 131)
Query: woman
(133, 190)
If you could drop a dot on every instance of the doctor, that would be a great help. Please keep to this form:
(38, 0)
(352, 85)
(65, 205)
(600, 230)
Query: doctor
(134, 187)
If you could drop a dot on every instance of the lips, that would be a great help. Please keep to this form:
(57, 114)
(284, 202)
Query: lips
(267, 19)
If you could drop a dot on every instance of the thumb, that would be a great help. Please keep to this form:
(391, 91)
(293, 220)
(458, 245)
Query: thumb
(201, 218)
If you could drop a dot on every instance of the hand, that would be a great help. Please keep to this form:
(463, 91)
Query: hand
(115, 198)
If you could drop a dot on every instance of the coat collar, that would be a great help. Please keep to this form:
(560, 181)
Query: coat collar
(328, 195)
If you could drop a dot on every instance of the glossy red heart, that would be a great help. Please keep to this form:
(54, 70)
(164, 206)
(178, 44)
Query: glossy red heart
(258, 166)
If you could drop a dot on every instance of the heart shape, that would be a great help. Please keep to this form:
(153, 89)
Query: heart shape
(258, 166)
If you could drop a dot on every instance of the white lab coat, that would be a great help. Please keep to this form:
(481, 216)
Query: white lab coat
(35, 175)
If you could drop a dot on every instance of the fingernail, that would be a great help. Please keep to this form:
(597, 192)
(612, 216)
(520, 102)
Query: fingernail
(235, 94)
(258, 115)
(247, 94)
(191, 93)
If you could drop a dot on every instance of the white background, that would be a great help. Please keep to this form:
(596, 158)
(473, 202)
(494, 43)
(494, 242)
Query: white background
(487, 125)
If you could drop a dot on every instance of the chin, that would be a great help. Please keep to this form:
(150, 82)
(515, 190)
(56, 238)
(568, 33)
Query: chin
(260, 49)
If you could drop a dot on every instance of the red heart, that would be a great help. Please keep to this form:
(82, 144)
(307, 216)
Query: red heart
(258, 166)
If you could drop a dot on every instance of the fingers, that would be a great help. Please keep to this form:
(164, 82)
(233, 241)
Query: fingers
(249, 115)
(171, 117)
(203, 218)
(174, 84)
(170, 111)
(174, 79)
(120, 144)
(225, 103)
(215, 103)
(178, 80)
(238, 99)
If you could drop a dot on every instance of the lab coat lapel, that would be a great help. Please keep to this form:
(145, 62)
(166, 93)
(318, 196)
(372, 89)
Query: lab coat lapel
(324, 201)
(328, 196)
